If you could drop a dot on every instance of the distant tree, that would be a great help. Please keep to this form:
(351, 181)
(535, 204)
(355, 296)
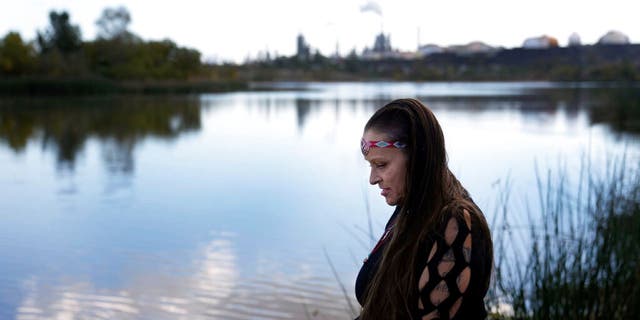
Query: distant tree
(184, 61)
(16, 56)
(117, 59)
(113, 24)
(60, 35)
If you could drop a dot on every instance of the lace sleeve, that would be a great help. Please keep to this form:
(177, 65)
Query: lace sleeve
(447, 273)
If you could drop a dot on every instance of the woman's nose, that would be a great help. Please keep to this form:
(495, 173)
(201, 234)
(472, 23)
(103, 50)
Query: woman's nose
(373, 177)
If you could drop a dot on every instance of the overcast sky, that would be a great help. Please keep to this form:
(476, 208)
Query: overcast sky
(233, 29)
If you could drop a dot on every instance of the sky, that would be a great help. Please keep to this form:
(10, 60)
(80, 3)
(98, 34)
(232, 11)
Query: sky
(232, 30)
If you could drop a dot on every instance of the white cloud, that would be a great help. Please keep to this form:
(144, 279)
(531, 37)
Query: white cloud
(371, 6)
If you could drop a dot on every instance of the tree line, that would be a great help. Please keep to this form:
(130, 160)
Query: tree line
(59, 52)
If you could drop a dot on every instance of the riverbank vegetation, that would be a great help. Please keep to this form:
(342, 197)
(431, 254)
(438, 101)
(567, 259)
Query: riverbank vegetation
(58, 61)
(577, 257)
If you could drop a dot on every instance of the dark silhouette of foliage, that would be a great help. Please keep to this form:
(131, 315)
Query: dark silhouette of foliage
(118, 59)
(16, 56)
(60, 35)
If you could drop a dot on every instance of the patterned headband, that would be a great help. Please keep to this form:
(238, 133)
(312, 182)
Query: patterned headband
(366, 145)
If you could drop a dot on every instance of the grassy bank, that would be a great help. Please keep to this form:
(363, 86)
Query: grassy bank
(581, 255)
(34, 86)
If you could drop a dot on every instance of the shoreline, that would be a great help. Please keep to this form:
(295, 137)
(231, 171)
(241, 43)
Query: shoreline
(43, 86)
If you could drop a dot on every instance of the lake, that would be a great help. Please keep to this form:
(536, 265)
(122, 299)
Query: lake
(253, 205)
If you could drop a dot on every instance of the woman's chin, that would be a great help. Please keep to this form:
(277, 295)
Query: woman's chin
(393, 201)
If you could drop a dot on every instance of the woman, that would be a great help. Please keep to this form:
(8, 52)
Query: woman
(434, 259)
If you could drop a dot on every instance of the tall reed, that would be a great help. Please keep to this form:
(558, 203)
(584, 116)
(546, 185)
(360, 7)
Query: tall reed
(579, 258)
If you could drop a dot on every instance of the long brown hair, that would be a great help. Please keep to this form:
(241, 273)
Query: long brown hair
(393, 291)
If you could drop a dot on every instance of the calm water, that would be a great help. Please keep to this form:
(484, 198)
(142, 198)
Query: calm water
(223, 206)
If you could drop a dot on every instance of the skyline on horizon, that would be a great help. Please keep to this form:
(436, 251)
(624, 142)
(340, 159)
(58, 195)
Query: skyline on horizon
(245, 28)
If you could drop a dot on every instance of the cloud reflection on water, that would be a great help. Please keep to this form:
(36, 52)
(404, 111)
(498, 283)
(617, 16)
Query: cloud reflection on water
(149, 295)
(212, 291)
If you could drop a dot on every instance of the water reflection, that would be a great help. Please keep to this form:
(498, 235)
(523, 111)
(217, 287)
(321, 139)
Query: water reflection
(150, 295)
(303, 108)
(619, 108)
(286, 162)
(65, 126)
(211, 289)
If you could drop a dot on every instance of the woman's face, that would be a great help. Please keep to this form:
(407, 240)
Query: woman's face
(388, 169)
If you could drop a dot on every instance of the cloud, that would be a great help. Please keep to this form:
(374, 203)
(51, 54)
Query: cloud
(371, 6)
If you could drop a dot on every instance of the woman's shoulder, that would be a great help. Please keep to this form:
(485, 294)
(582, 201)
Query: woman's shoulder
(459, 210)
(462, 209)
(457, 206)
